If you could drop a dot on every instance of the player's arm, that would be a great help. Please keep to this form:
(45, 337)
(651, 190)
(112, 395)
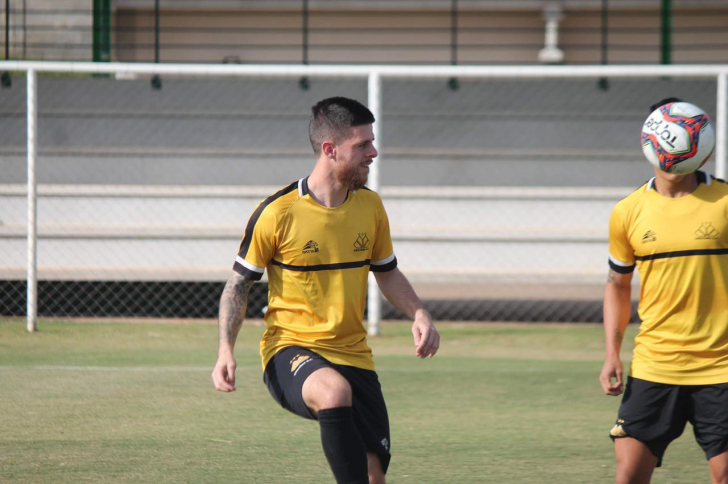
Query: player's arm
(617, 311)
(398, 291)
(233, 304)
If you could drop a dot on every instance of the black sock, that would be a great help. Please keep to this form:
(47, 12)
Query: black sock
(343, 446)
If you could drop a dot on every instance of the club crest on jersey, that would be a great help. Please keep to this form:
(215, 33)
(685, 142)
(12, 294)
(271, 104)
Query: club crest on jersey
(361, 243)
(310, 247)
(649, 236)
(706, 231)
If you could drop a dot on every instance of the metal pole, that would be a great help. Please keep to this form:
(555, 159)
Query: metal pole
(156, 80)
(304, 32)
(7, 29)
(303, 82)
(156, 31)
(604, 82)
(453, 81)
(5, 79)
(374, 296)
(454, 32)
(665, 37)
(32, 282)
(721, 135)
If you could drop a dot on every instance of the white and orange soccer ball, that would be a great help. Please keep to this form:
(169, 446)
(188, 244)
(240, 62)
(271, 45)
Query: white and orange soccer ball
(678, 138)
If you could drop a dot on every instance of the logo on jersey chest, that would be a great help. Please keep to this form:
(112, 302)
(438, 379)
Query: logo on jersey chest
(650, 236)
(361, 243)
(706, 231)
(310, 247)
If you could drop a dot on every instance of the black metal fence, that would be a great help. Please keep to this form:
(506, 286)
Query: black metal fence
(454, 34)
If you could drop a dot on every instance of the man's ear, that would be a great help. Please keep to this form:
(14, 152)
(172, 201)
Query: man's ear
(328, 148)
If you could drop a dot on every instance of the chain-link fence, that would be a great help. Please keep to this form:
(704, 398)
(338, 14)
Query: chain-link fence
(498, 192)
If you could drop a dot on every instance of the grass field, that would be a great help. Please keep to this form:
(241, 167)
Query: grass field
(133, 402)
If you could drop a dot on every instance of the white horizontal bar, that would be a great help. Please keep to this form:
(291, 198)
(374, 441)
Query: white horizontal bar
(298, 70)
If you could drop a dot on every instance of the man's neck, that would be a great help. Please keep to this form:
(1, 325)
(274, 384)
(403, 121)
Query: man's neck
(325, 189)
(675, 186)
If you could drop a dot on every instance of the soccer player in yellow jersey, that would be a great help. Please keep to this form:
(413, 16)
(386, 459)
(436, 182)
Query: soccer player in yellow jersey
(674, 229)
(319, 238)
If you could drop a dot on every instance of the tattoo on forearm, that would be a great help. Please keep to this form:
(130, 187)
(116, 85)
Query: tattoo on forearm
(618, 336)
(612, 276)
(233, 304)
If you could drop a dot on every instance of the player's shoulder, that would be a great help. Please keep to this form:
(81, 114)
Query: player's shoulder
(717, 183)
(636, 196)
(365, 191)
(281, 200)
(369, 196)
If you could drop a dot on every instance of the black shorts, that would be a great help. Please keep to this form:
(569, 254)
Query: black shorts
(656, 414)
(288, 369)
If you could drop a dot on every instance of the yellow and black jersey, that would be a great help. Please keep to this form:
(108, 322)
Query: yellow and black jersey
(680, 248)
(318, 261)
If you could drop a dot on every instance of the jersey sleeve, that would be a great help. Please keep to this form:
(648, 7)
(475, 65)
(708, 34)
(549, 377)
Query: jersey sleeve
(621, 254)
(258, 246)
(383, 258)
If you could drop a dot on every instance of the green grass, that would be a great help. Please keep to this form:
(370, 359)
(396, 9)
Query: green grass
(133, 402)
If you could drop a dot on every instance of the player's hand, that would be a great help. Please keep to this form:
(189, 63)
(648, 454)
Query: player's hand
(223, 376)
(611, 377)
(427, 339)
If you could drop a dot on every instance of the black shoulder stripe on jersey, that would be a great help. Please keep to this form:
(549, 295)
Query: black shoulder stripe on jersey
(702, 177)
(683, 253)
(323, 267)
(621, 269)
(245, 244)
(389, 266)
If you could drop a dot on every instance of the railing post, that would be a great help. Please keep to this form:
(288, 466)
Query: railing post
(32, 282)
(374, 297)
(721, 135)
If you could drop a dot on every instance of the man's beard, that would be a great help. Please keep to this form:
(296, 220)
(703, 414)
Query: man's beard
(351, 178)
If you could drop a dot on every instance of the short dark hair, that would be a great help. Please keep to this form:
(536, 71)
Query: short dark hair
(667, 100)
(332, 118)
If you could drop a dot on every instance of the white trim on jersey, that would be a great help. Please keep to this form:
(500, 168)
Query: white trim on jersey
(300, 187)
(619, 263)
(650, 184)
(383, 261)
(248, 265)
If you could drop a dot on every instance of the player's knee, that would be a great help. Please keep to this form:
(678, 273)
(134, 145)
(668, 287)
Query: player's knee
(328, 389)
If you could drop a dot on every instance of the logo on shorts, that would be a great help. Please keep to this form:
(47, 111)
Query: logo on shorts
(617, 430)
(298, 361)
(385, 444)
(706, 231)
(310, 247)
(361, 243)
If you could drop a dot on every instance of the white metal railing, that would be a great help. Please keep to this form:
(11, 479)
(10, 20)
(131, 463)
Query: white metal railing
(374, 74)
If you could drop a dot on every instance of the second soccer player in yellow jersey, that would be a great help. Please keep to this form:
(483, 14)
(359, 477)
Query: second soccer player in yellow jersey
(674, 230)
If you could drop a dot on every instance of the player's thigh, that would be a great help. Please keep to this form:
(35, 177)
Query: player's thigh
(286, 374)
(710, 418)
(635, 461)
(719, 468)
